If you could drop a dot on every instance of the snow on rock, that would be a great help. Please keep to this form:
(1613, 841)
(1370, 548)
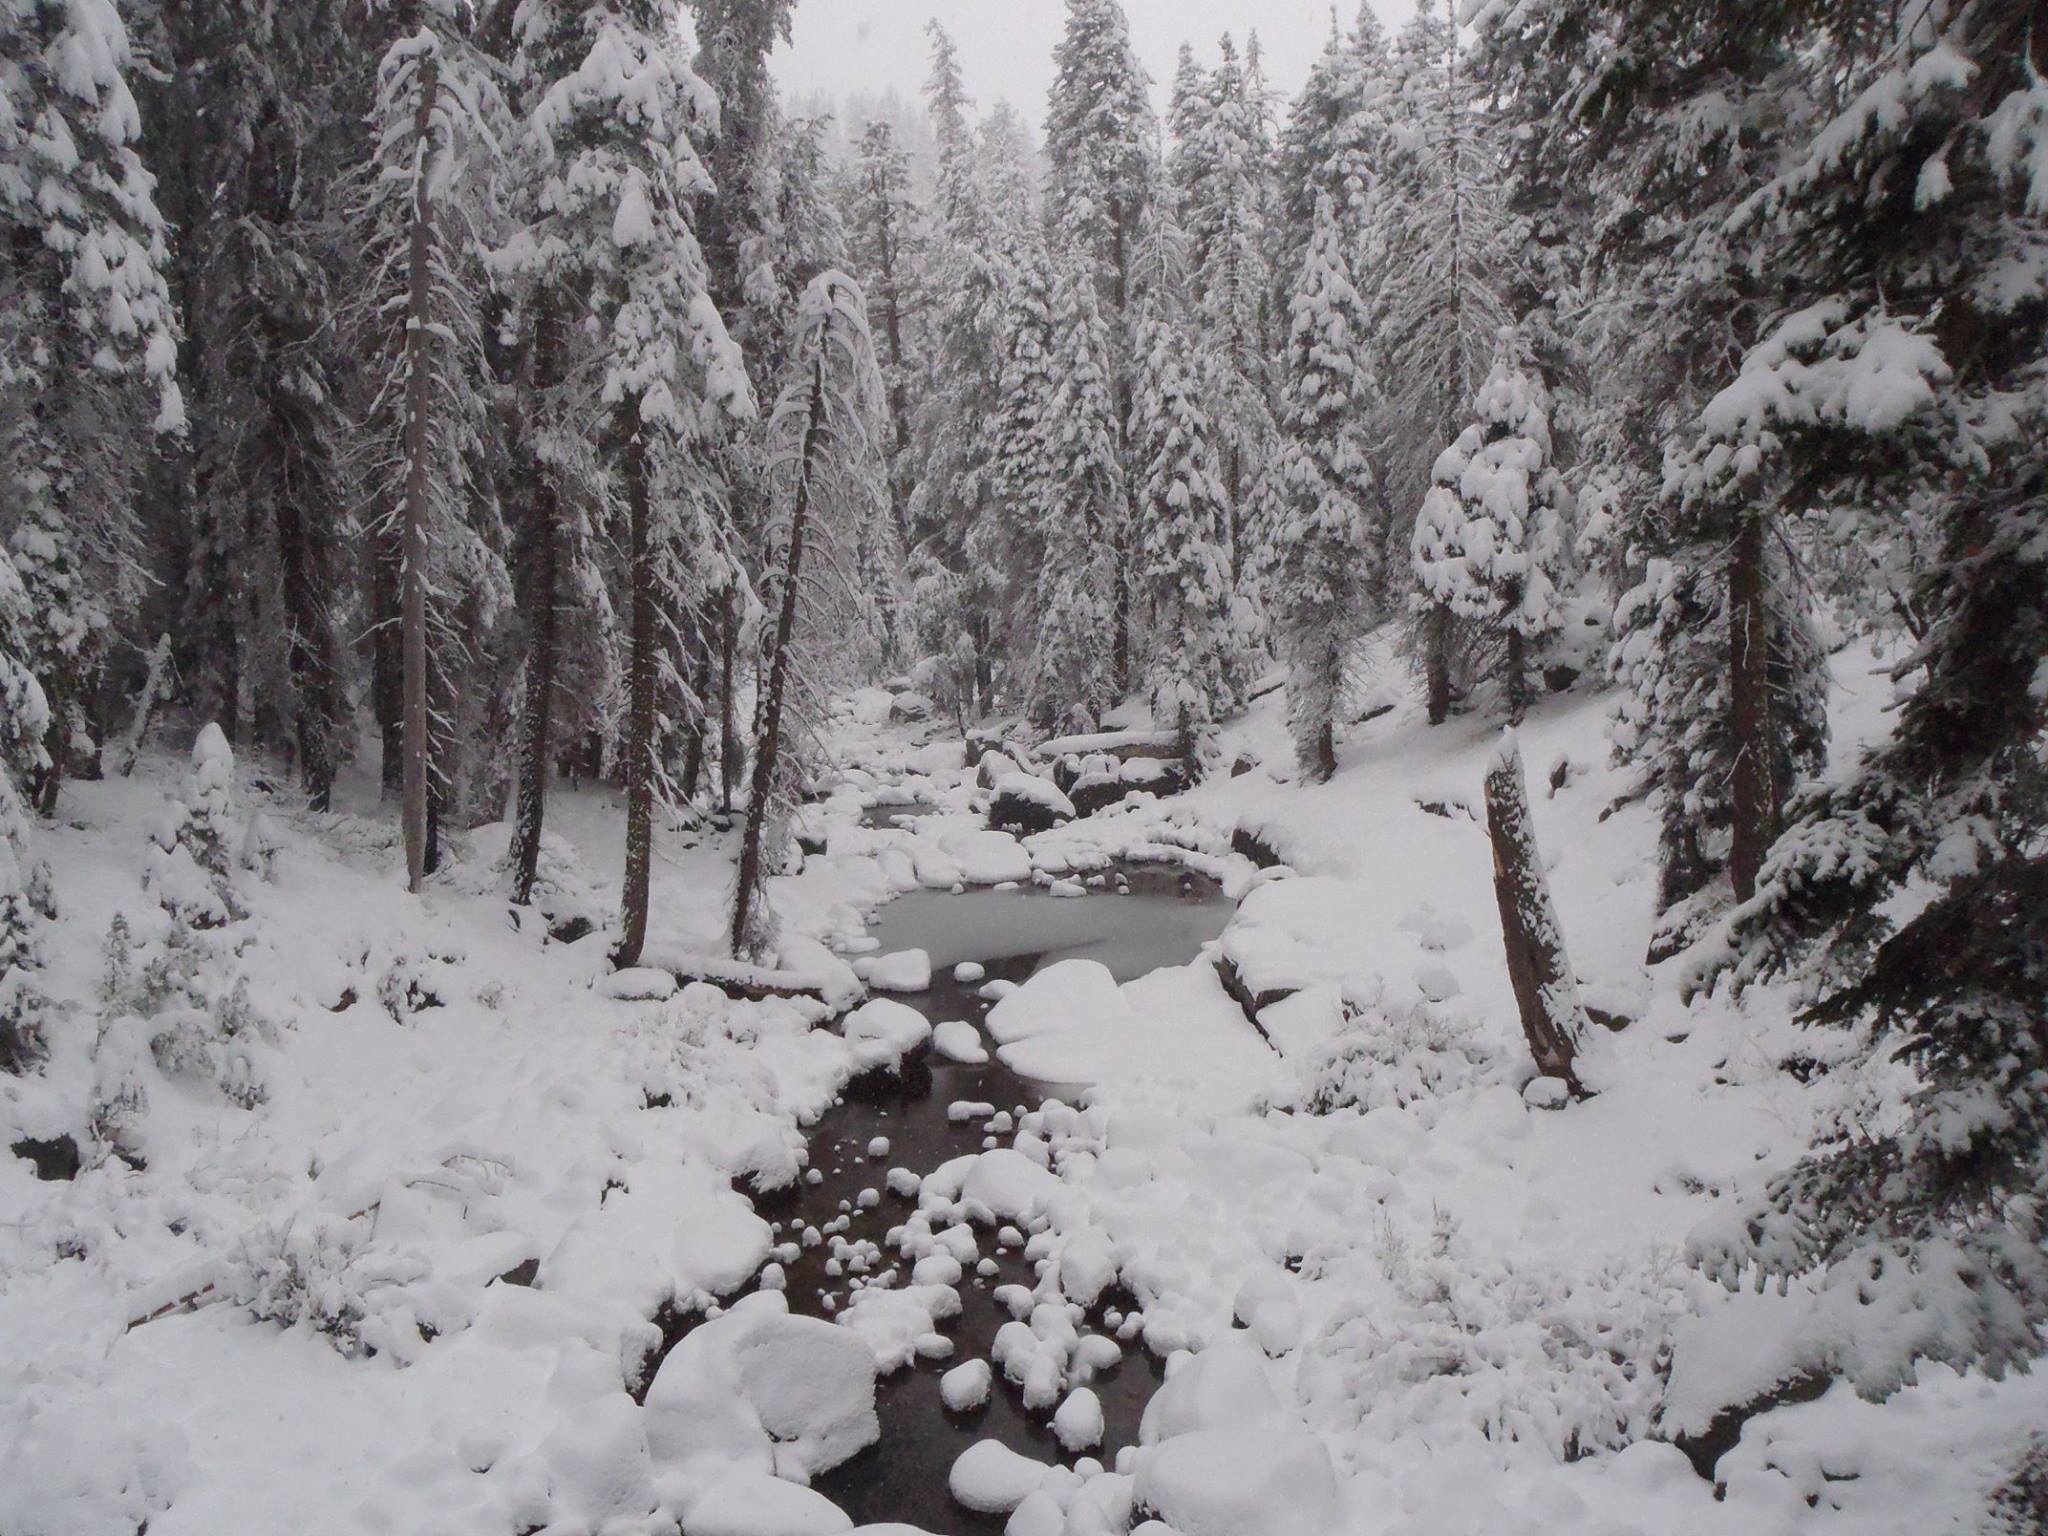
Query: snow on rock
(957, 1040)
(1078, 1420)
(1064, 995)
(991, 1479)
(640, 983)
(985, 857)
(673, 1231)
(907, 970)
(892, 1321)
(966, 1387)
(1263, 1482)
(748, 1504)
(1008, 1186)
(884, 1031)
(967, 972)
(791, 1396)
(1225, 1387)
(1291, 934)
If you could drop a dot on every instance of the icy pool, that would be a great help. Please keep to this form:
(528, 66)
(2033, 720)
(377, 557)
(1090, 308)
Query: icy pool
(1164, 920)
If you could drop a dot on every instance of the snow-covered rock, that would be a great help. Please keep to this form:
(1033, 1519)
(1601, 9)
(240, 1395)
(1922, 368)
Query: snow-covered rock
(640, 983)
(884, 1031)
(966, 1387)
(907, 970)
(991, 1479)
(1064, 995)
(1245, 1482)
(957, 1040)
(1078, 1420)
(791, 1396)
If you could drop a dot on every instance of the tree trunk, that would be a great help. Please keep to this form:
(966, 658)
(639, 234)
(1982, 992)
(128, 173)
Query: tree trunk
(728, 737)
(544, 600)
(1326, 752)
(1436, 662)
(1516, 676)
(1753, 795)
(639, 763)
(693, 757)
(1546, 990)
(768, 748)
(419, 399)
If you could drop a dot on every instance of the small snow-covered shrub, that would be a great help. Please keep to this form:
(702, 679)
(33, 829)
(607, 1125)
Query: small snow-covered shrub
(327, 1273)
(189, 867)
(1462, 1343)
(1380, 1059)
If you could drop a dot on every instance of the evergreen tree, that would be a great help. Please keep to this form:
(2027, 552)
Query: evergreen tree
(619, 105)
(88, 347)
(887, 240)
(436, 130)
(825, 451)
(1491, 538)
(1195, 675)
(264, 124)
(1328, 587)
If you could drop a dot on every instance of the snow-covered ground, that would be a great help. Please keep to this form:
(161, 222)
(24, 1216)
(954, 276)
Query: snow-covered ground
(393, 1251)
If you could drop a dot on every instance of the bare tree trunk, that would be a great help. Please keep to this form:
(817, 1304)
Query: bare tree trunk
(1546, 990)
(693, 757)
(728, 724)
(419, 399)
(545, 597)
(639, 763)
(1754, 797)
(1516, 676)
(768, 747)
(1436, 662)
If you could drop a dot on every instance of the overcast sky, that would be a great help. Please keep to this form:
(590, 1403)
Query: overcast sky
(1006, 46)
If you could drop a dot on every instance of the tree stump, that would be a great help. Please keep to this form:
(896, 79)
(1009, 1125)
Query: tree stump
(1546, 989)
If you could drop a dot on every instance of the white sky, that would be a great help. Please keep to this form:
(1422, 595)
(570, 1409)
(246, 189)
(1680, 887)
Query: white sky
(844, 46)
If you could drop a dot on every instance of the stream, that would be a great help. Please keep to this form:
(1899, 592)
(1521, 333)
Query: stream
(1163, 919)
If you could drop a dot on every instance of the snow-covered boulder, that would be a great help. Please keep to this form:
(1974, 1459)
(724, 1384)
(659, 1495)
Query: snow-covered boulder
(1023, 803)
(986, 857)
(639, 983)
(788, 1396)
(958, 1040)
(748, 1504)
(908, 707)
(1291, 934)
(1065, 995)
(1224, 1388)
(906, 970)
(1263, 1482)
(991, 1479)
(884, 1031)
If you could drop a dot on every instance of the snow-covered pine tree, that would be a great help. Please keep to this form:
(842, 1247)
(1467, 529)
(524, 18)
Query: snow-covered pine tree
(888, 244)
(88, 347)
(1334, 141)
(1667, 304)
(959, 593)
(24, 886)
(1100, 151)
(436, 129)
(1224, 206)
(1435, 275)
(1490, 542)
(1194, 676)
(825, 458)
(619, 107)
(263, 124)
(1327, 587)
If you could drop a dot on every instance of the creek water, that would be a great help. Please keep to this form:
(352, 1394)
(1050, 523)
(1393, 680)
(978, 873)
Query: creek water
(1163, 919)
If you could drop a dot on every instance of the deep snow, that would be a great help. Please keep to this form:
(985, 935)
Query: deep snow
(1393, 1296)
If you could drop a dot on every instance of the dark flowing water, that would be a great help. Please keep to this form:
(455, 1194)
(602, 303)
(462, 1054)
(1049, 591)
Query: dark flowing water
(1164, 920)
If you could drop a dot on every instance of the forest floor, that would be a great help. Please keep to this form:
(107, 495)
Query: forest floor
(397, 1247)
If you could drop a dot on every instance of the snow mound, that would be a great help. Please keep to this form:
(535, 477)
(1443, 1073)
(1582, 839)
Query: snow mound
(957, 1040)
(884, 1031)
(789, 1396)
(1064, 995)
(991, 1479)
(1240, 1483)
(907, 970)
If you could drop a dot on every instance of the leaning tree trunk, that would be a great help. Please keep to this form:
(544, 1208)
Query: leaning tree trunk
(545, 597)
(746, 915)
(1546, 989)
(1753, 795)
(1516, 676)
(639, 763)
(419, 400)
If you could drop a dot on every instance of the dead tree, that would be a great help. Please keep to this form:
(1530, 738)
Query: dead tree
(1546, 990)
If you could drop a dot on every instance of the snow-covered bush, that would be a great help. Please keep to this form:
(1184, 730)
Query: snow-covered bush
(322, 1271)
(1464, 1343)
(173, 997)
(1380, 1059)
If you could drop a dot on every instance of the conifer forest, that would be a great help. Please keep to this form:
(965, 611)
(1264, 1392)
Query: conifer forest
(1297, 788)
